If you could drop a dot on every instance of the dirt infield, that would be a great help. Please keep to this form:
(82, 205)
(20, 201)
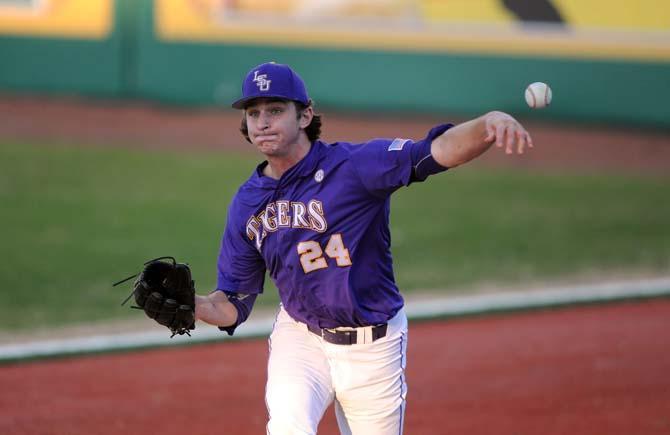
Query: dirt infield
(581, 370)
(78, 121)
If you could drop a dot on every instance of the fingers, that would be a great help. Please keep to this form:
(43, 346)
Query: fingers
(524, 140)
(153, 305)
(167, 312)
(500, 135)
(184, 318)
(490, 134)
(520, 142)
(512, 136)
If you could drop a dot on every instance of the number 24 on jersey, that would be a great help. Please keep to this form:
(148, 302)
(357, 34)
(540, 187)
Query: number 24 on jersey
(312, 256)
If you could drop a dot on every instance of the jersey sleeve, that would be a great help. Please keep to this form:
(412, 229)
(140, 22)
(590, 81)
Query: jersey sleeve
(243, 303)
(241, 268)
(385, 165)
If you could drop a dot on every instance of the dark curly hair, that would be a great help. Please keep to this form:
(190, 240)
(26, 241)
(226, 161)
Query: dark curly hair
(313, 130)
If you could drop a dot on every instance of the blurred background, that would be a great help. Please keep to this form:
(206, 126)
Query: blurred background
(117, 144)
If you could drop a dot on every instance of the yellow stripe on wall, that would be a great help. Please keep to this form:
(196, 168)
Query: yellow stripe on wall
(89, 19)
(185, 20)
(650, 15)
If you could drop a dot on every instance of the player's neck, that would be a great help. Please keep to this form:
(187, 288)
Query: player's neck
(278, 165)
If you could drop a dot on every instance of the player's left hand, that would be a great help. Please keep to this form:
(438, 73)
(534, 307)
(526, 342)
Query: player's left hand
(166, 293)
(506, 132)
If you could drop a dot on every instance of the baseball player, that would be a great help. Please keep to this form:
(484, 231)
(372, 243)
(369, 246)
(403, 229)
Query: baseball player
(316, 217)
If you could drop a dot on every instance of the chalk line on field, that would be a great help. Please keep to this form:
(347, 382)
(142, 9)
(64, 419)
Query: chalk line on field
(438, 306)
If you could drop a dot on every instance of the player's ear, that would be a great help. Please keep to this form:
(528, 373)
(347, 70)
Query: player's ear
(306, 116)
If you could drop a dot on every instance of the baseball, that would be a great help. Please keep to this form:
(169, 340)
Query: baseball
(538, 95)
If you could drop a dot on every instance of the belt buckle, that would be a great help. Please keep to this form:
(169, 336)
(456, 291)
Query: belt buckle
(335, 336)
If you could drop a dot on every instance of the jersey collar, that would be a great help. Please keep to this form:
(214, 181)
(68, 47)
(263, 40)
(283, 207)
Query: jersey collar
(304, 168)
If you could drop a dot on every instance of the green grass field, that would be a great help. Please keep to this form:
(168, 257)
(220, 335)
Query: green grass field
(76, 219)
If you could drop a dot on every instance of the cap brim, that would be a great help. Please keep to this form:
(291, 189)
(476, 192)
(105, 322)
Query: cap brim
(239, 104)
(244, 102)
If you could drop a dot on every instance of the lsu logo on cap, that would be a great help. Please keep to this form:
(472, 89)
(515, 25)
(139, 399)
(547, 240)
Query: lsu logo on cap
(262, 81)
(397, 144)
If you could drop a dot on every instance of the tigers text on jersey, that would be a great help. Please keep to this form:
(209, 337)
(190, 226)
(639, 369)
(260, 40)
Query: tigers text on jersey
(322, 231)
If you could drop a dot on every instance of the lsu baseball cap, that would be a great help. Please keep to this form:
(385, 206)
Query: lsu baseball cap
(272, 80)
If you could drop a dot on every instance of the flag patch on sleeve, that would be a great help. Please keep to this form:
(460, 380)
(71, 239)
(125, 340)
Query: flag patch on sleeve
(397, 144)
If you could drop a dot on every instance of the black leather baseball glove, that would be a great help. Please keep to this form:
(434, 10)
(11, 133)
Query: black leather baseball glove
(166, 293)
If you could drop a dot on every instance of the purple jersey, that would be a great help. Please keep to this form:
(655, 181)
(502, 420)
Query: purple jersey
(322, 232)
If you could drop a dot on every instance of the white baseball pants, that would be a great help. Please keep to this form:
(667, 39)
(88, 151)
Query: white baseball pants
(306, 374)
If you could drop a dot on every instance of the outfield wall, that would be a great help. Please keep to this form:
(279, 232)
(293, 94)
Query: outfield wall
(604, 62)
(72, 47)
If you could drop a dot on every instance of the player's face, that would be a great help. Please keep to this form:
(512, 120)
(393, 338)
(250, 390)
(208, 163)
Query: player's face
(274, 126)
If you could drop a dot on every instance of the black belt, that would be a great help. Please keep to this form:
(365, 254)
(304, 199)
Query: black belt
(335, 336)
